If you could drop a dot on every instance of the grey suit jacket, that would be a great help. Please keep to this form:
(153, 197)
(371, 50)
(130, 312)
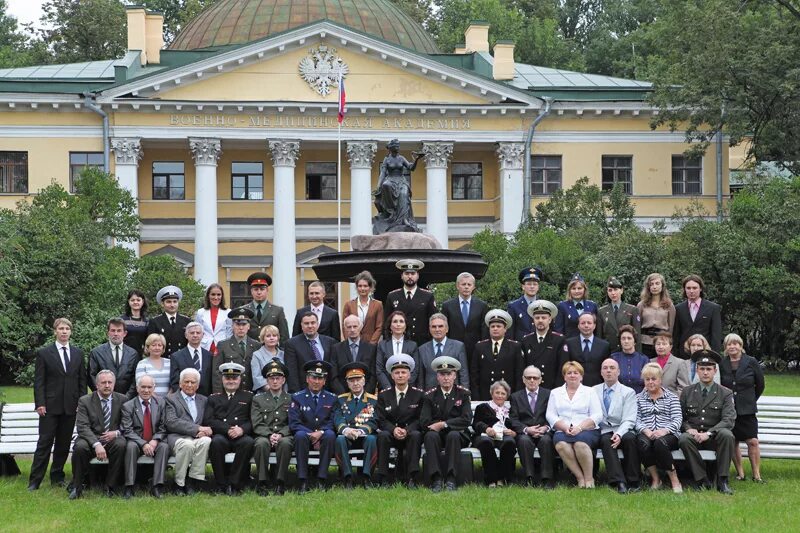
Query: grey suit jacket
(426, 376)
(621, 414)
(133, 420)
(89, 420)
(675, 374)
(178, 420)
(102, 358)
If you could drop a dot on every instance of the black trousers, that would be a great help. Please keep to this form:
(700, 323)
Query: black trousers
(452, 443)
(626, 470)
(410, 448)
(657, 452)
(494, 468)
(58, 429)
(242, 447)
(82, 453)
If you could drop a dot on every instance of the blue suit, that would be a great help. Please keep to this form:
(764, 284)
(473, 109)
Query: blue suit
(356, 413)
(523, 323)
(566, 322)
(305, 418)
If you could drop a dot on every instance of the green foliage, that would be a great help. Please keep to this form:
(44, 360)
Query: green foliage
(154, 272)
(83, 30)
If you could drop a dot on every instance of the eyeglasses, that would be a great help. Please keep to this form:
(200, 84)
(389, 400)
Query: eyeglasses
(535, 378)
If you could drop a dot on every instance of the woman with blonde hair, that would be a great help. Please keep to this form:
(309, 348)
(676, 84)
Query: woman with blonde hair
(656, 310)
(575, 304)
(154, 364)
(269, 337)
(694, 343)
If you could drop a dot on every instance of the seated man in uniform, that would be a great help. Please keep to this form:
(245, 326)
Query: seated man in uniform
(708, 419)
(399, 409)
(269, 415)
(228, 416)
(446, 416)
(354, 420)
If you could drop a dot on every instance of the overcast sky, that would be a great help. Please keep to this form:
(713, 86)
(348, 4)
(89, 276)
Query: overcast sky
(25, 10)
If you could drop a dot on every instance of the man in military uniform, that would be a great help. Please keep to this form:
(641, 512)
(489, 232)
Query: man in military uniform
(446, 416)
(615, 314)
(544, 348)
(264, 312)
(170, 323)
(228, 416)
(417, 303)
(708, 419)
(311, 421)
(496, 358)
(238, 349)
(529, 279)
(398, 411)
(270, 417)
(354, 420)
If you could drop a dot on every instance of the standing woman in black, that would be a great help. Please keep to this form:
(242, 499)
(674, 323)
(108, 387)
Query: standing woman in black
(742, 374)
(135, 318)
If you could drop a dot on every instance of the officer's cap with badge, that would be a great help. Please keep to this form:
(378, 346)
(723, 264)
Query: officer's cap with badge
(354, 370)
(614, 283)
(532, 273)
(231, 370)
(170, 291)
(498, 315)
(706, 358)
(401, 360)
(317, 369)
(445, 363)
(543, 307)
(259, 278)
(274, 368)
(577, 278)
(409, 265)
(241, 315)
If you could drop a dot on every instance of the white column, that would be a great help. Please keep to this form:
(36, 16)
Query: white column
(436, 156)
(512, 190)
(206, 153)
(127, 154)
(284, 250)
(361, 154)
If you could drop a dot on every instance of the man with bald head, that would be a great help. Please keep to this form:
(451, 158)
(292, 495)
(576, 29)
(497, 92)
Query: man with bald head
(616, 429)
(353, 349)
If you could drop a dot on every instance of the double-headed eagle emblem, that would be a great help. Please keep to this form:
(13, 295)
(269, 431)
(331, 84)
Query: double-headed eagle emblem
(321, 69)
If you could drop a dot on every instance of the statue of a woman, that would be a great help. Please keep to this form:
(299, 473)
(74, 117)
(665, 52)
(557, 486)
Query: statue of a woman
(393, 195)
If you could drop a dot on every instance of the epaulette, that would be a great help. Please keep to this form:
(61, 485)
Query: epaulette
(462, 388)
(344, 395)
(529, 334)
(386, 389)
(216, 394)
(556, 333)
(247, 391)
(423, 290)
(483, 340)
(259, 393)
(368, 395)
(417, 388)
(512, 340)
(431, 391)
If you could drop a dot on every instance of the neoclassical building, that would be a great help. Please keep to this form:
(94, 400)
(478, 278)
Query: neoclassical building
(229, 138)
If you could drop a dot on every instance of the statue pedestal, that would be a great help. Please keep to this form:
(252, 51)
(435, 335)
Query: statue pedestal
(394, 241)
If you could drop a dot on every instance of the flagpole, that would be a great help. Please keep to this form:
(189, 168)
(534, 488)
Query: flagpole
(339, 191)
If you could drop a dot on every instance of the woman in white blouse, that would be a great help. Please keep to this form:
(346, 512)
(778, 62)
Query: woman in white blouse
(574, 412)
(154, 364)
(214, 317)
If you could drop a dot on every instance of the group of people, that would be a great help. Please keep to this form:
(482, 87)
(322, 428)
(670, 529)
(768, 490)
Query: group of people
(564, 378)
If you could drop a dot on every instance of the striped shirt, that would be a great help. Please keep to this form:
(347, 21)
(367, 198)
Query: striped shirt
(663, 413)
(160, 376)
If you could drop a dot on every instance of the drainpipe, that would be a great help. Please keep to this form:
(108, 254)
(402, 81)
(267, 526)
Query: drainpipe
(89, 102)
(526, 201)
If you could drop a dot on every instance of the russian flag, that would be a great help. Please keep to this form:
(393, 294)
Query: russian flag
(342, 99)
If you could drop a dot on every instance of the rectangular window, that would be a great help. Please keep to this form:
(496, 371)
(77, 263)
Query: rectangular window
(247, 181)
(545, 174)
(14, 172)
(78, 161)
(240, 294)
(687, 175)
(320, 181)
(467, 181)
(618, 169)
(169, 182)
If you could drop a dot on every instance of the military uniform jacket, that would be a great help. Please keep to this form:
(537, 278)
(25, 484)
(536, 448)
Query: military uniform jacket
(303, 416)
(175, 335)
(417, 311)
(270, 315)
(566, 322)
(229, 351)
(486, 368)
(608, 324)
(223, 413)
(713, 413)
(270, 414)
(548, 356)
(456, 410)
(356, 413)
(405, 414)
(523, 324)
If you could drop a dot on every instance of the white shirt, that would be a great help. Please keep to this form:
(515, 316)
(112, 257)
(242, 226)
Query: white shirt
(397, 346)
(397, 393)
(584, 404)
(60, 347)
(363, 308)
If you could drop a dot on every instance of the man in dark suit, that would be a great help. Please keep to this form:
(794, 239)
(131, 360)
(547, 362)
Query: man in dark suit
(143, 427)
(264, 312)
(116, 356)
(308, 346)
(465, 314)
(327, 316)
(440, 345)
(615, 314)
(98, 425)
(228, 416)
(398, 412)
(529, 279)
(59, 381)
(544, 348)
(528, 420)
(238, 349)
(415, 302)
(496, 358)
(352, 350)
(170, 323)
(696, 315)
(587, 349)
(193, 355)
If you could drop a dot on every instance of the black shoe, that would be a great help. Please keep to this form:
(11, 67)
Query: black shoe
(58, 483)
(303, 488)
(549, 484)
(722, 486)
(411, 484)
(368, 484)
(189, 489)
(437, 485)
(348, 483)
(157, 492)
(75, 493)
(322, 485)
(177, 490)
(262, 489)
(109, 492)
(450, 484)
(280, 490)
(127, 494)
(33, 485)
(634, 488)
(622, 488)
(529, 482)
(704, 484)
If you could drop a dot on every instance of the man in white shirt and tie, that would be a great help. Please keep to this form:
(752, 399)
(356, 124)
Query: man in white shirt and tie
(440, 345)
(194, 356)
(353, 350)
(116, 356)
(616, 429)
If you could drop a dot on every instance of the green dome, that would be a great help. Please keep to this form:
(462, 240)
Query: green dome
(241, 21)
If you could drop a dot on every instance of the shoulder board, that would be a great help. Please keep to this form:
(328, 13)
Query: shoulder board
(216, 394)
(462, 388)
(247, 392)
(526, 336)
(483, 340)
(431, 390)
(184, 316)
(557, 333)
(385, 390)
(345, 395)
(423, 290)
(512, 341)
(417, 388)
(370, 396)
(259, 393)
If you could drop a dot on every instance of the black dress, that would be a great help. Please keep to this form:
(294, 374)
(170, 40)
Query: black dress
(136, 332)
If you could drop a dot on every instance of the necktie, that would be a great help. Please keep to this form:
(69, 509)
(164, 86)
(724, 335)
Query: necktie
(693, 371)
(616, 308)
(147, 423)
(408, 296)
(192, 407)
(586, 349)
(496, 348)
(541, 339)
(402, 395)
(66, 357)
(532, 396)
(579, 306)
(230, 396)
(106, 414)
(172, 320)
(116, 356)
(317, 353)
(243, 346)
(705, 393)
(607, 397)
(258, 313)
(438, 349)
(398, 347)
(196, 359)
(316, 401)
(693, 307)
(354, 350)
(464, 311)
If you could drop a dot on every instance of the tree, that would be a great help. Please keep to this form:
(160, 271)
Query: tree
(83, 30)
(16, 49)
(454, 16)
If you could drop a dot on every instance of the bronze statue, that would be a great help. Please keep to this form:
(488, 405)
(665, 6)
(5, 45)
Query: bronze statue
(393, 195)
